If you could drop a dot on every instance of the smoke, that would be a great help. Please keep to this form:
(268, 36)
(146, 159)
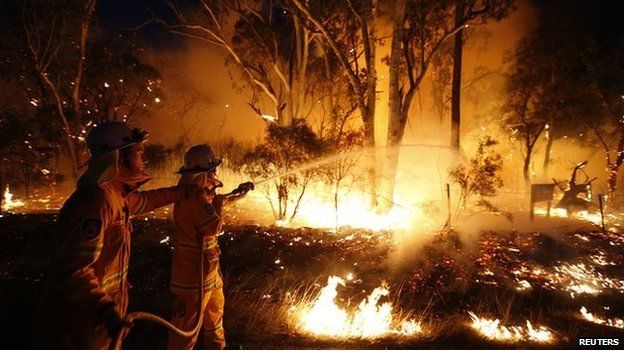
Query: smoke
(201, 102)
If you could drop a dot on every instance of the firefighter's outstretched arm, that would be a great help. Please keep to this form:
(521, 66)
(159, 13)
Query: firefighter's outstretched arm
(146, 201)
(236, 194)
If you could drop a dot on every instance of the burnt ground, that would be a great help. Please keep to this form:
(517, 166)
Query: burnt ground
(439, 285)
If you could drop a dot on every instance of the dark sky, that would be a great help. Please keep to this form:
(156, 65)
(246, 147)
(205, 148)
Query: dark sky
(123, 15)
(603, 19)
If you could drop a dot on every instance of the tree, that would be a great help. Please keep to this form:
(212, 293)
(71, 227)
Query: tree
(276, 159)
(120, 86)
(337, 173)
(50, 29)
(524, 113)
(420, 29)
(27, 149)
(440, 75)
(86, 75)
(344, 145)
(268, 45)
(586, 61)
(606, 79)
(546, 55)
(347, 29)
(466, 10)
(480, 180)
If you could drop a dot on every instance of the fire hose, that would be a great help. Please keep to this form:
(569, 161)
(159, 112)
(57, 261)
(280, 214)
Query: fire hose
(130, 318)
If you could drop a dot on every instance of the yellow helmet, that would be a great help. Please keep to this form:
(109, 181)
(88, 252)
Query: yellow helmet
(200, 158)
(110, 136)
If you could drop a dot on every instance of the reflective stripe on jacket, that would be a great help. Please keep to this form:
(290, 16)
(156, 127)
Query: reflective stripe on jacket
(91, 260)
(196, 228)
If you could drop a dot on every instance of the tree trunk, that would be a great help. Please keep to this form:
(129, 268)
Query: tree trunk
(2, 186)
(369, 136)
(71, 149)
(549, 144)
(336, 190)
(612, 178)
(332, 101)
(371, 101)
(527, 164)
(84, 33)
(457, 75)
(397, 118)
(27, 180)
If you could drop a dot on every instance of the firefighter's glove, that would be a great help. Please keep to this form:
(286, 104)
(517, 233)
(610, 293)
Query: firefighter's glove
(114, 322)
(244, 188)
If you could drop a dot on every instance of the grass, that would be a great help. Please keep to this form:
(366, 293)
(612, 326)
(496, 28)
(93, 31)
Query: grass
(437, 287)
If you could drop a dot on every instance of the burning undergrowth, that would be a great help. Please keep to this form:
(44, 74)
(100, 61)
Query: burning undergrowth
(304, 288)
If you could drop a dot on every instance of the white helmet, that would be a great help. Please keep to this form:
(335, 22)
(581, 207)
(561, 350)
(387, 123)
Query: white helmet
(110, 136)
(199, 158)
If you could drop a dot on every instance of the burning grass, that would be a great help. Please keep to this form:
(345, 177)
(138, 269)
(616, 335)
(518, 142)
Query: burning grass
(494, 330)
(610, 322)
(372, 319)
(9, 203)
(516, 286)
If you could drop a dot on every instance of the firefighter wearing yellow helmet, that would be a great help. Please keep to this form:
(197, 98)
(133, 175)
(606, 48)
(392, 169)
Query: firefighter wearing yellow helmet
(87, 293)
(198, 220)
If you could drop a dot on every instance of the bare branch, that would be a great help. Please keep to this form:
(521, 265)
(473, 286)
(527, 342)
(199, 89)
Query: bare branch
(352, 76)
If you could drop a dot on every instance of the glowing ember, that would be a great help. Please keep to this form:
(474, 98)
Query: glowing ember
(493, 330)
(580, 279)
(602, 260)
(523, 285)
(8, 204)
(611, 322)
(370, 320)
(268, 118)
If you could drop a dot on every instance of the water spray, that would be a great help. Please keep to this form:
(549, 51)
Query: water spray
(333, 158)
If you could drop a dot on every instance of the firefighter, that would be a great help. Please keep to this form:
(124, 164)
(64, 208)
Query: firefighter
(198, 220)
(86, 296)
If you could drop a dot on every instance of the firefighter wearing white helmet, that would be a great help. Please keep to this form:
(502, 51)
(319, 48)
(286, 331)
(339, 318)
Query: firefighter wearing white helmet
(198, 220)
(87, 292)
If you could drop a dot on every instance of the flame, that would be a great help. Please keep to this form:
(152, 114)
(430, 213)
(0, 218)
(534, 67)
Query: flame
(554, 212)
(370, 320)
(353, 211)
(8, 203)
(594, 218)
(492, 329)
(611, 322)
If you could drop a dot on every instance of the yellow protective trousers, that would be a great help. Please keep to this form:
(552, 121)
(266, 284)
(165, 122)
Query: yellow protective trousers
(184, 316)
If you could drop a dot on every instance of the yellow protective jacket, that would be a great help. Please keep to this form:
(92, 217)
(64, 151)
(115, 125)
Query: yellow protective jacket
(197, 224)
(90, 267)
